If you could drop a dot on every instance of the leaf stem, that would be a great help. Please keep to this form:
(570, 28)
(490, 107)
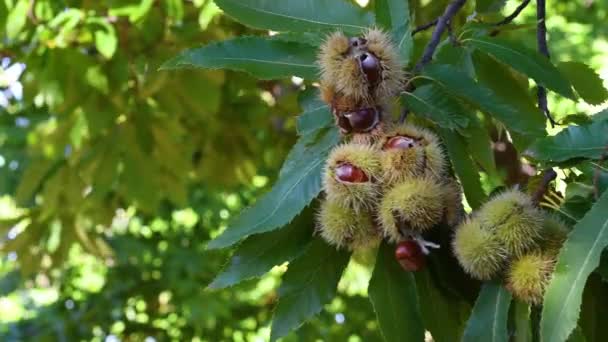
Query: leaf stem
(442, 23)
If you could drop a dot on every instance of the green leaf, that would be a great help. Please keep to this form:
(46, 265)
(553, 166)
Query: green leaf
(298, 15)
(434, 103)
(314, 119)
(259, 253)
(465, 168)
(444, 315)
(292, 192)
(392, 292)
(479, 146)
(309, 283)
(17, 18)
(526, 61)
(488, 322)
(579, 256)
(523, 330)
(486, 6)
(586, 81)
(508, 85)
(592, 324)
(261, 57)
(106, 40)
(32, 179)
(458, 83)
(394, 16)
(588, 141)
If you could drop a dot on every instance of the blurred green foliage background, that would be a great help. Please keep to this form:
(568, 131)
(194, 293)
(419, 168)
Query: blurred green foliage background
(114, 175)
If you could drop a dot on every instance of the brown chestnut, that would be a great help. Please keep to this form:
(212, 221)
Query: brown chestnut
(410, 256)
(348, 173)
(400, 142)
(363, 120)
(370, 66)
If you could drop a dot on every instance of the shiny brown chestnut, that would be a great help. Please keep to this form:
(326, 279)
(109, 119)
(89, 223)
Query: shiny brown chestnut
(410, 256)
(348, 173)
(363, 120)
(370, 66)
(400, 142)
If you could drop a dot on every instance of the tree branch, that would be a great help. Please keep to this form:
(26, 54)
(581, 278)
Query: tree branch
(548, 176)
(508, 19)
(425, 26)
(541, 40)
(442, 23)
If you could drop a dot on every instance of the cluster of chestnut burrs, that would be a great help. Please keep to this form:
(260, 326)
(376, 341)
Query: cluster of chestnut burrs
(389, 180)
(511, 239)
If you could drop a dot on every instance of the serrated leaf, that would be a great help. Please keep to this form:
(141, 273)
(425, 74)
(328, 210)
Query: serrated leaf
(259, 253)
(458, 83)
(444, 315)
(394, 16)
(392, 292)
(488, 322)
(309, 283)
(292, 192)
(585, 81)
(505, 83)
(526, 61)
(264, 58)
(298, 15)
(579, 256)
(465, 168)
(588, 141)
(434, 103)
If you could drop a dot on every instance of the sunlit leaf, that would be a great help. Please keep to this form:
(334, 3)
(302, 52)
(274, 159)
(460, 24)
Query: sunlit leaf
(579, 256)
(262, 57)
(526, 61)
(589, 141)
(586, 81)
(298, 15)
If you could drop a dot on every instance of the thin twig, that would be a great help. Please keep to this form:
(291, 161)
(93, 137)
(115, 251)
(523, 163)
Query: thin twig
(425, 26)
(548, 176)
(541, 40)
(508, 19)
(442, 23)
